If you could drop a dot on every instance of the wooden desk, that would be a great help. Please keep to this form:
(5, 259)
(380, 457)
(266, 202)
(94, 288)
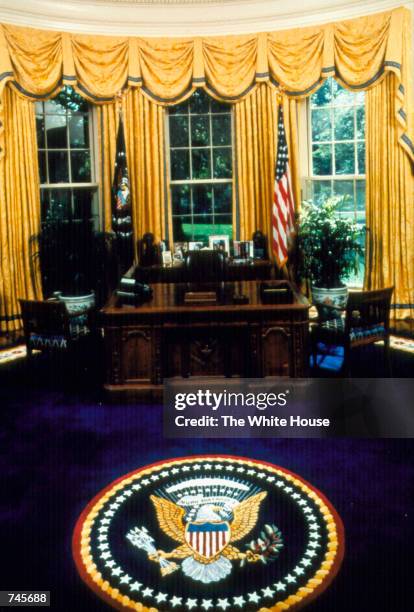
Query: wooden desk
(166, 338)
(249, 270)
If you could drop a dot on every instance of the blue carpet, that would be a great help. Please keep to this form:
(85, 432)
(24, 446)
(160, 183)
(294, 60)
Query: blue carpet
(59, 448)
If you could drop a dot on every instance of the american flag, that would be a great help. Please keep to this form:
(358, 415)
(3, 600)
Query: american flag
(283, 212)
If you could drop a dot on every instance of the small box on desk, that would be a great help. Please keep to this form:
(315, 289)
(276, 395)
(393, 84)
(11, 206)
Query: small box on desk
(276, 292)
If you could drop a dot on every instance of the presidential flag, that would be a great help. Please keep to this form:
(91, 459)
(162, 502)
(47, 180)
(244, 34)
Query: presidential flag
(283, 212)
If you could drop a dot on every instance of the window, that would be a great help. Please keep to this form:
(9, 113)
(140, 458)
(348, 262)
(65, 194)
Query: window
(337, 152)
(67, 177)
(201, 168)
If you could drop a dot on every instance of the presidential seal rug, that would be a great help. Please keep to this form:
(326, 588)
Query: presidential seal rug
(209, 533)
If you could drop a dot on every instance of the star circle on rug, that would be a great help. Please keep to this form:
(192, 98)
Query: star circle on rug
(209, 533)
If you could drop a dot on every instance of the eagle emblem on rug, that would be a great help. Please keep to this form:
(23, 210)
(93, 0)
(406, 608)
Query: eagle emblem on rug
(206, 517)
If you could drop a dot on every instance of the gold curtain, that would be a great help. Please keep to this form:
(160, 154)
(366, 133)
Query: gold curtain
(108, 124)
(144, 140)
(256, 145)
(389, 202)
(19, 210)
(357, 51)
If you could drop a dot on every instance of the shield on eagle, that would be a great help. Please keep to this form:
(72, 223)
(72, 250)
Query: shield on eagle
(208, 539)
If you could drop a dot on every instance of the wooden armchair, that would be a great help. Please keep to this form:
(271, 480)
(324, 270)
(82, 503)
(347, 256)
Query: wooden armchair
(48, 326)
(364, 321)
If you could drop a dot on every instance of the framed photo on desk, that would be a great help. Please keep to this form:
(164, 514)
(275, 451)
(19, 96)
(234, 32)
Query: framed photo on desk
(219, 243)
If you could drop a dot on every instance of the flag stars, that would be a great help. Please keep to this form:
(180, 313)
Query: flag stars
(106, 555)
(196, 467)
(299, 571)
(280, 586)
(186, 468)
(254, 597)
(176, 601)
(290, 579)
(207, 604)
(267, 592)
(164, 474)
(146, 481)
(239, 601)
(175, 471)
(223, 603)
(126, 579)
(147, 592)
(117, 571)
(135, 586)
(191, 603)
(160, 597)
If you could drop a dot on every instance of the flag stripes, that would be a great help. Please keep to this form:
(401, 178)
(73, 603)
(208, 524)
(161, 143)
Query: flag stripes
(283, 209)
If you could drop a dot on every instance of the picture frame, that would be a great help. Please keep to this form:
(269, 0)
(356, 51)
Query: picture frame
(167, 258)
(195, 246)
(219, 243)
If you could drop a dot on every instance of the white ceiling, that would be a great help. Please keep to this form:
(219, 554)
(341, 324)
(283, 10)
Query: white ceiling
(183, 17)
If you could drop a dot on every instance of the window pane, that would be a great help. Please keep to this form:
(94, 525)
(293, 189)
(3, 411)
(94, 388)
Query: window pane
(79, 131)
(361, 157)
(360, 195)
(42, 167)
(179, 109)
(54, 107)
(82, 203)
(40, 132)
(200, 131)
(203, 227)
(345, 189)
(322, 190)
(323, 96)
(219, 107)
(221, 129)
(180, 165)
(322, 159)
(181, 199)
(344, 159)
(201, 163)
(222, 198)
(56, 131)
(202, 199)
(344, 123)
(342, 95)
(58, 167)
(179, 131)
(182, 228)
(60, 204)
(223, 225)
(222, 160)
(360, 122)
(321, 125)
(199, 102)
(81, 166)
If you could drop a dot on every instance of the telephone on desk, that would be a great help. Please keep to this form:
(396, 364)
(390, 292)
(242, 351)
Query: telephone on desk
(131, 291)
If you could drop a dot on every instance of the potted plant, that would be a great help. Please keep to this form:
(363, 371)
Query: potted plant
(329, 250)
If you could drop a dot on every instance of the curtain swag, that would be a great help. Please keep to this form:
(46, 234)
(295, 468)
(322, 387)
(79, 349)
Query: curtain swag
(357, 52)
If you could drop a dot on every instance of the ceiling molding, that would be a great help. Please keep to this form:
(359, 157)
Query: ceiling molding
(169, 18)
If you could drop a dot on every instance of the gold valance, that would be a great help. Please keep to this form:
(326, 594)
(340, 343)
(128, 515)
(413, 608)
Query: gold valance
(358, 52)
